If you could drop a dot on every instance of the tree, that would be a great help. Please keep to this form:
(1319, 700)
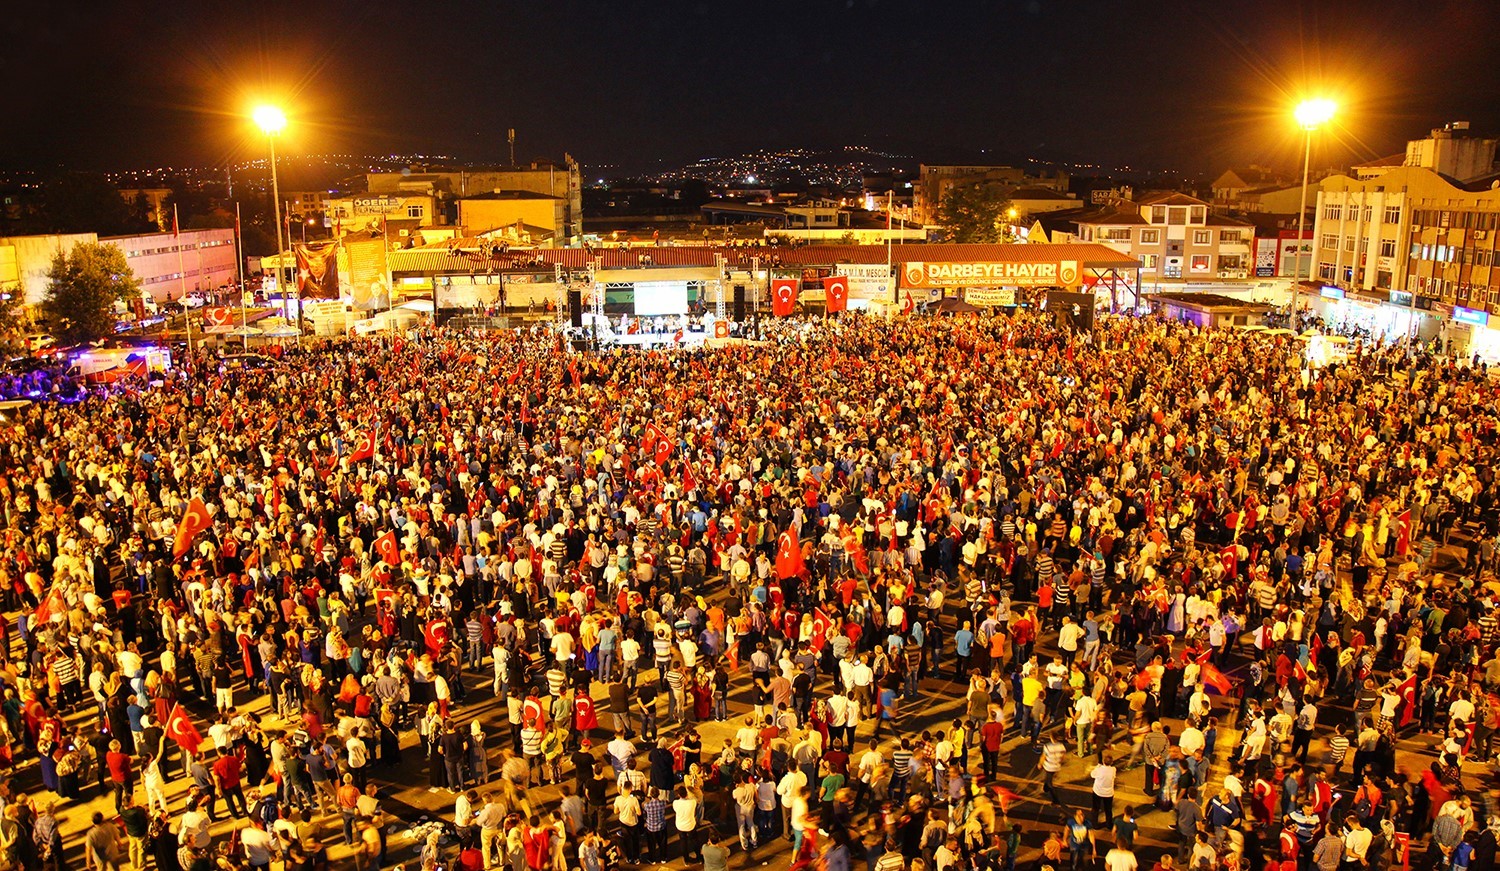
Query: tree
(83, 286)
(14, 321)
(83, 202)
(972, 213)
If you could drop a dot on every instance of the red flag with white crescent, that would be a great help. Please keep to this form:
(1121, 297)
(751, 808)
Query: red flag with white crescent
(836, 291)
(51, 606)
(783, 296)
(364, 448)
(194, 521)
(1408, 693)
(181, 729)
(908, 305)
(1214, 678)
(1403, 532)
(388, 549)
(788, 556)
(1230, 557)
(821, 623)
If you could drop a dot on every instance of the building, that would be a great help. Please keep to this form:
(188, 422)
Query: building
(935, 180)
(1174, 236)
(155, 200)
(1207, 309)
(168, 266)
(560, 180)
(399, 216)
(1410, 251)
(1229, 187)
(483, 213)
(1035, 200)
(171, 266)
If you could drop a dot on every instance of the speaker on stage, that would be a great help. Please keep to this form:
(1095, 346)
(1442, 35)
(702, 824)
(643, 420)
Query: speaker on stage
(575, 308)
(739, 303)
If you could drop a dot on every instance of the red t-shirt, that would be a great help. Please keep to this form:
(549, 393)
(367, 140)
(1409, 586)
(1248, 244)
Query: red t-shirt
(119, 766)
(228, 770)
(994, 735)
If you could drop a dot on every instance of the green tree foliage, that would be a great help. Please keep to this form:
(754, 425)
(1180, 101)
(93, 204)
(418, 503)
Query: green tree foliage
(14, 321)
(85, 202)
(82, 287)
(973, 213)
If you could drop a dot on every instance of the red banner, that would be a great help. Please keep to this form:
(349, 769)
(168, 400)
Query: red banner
(836, 289)
(318, 271)
(783, 296)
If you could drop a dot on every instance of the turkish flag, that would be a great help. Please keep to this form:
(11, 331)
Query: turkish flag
(821, 624)
(788, 556)
(364, 447)
(783, 296)
(194, 521)
(52, 606)
(688, 482)
(836, 288)
(1403, 532)
(677, 337)
(653, 435)
(1214, 678)
(908, 305)
(721, 329)
(1408, 693)
(1230, 557)
(388, 549)
(180, 727)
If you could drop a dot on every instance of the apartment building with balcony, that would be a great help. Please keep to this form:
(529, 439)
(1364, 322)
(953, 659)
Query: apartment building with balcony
(1175, 237)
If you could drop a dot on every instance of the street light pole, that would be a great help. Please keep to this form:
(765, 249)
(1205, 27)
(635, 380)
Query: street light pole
(1301, 220)
(276, 207)
(1311, 114)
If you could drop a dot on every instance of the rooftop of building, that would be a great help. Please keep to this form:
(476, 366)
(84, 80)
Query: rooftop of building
(511, 195)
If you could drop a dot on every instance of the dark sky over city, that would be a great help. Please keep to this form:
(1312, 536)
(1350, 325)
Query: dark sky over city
(1174, 84)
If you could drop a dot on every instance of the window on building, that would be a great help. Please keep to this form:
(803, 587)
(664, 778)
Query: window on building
(1387, 247)
(1368, 210)
(1383, 279)
(1177, 216)
(1200, 263)
(1158, 214)
(1349, 244)
(1333, 212)
(1150, 237)
(1484, 257)
(1200, 214)
(415, 211)
(1330, 241)
(1117, 234)
(1231, 262)
(1230, 237)
(1327, 271)
(1148, 261)
(1201, 237)
(1393, 214)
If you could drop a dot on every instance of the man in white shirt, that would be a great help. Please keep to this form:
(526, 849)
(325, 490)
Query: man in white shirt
(791, 785)
(685, 817)
(1120, 858)
(621, 753)
(628, 812)
(1104, 792)
(1067, 639)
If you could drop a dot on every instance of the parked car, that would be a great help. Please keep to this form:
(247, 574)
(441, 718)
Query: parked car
(39, 341)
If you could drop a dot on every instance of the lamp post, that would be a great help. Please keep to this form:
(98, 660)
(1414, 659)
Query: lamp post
(1311, 114)
(272, 121)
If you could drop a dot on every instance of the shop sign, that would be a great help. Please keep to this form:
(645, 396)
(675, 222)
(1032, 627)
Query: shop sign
(1012, 274)
(1331, 292)
(990, 296)
(1471, 316)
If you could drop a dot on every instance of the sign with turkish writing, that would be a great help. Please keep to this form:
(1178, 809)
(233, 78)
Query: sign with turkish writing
(377, 205)
(866, 282)
(1003, 296)
(1059, 273)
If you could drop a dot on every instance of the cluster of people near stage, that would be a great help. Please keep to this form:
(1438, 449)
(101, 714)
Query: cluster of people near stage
(912, 566)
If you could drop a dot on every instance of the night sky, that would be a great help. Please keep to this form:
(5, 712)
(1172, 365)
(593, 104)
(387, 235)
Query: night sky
(1188, 86)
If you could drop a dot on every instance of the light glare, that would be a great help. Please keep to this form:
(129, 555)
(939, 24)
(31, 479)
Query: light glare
(1315, 112)
(269, 118)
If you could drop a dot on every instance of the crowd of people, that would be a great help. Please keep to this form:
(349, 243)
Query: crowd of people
(924, 560)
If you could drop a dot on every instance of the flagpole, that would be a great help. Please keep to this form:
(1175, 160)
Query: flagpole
(187, 317)
(239, 262)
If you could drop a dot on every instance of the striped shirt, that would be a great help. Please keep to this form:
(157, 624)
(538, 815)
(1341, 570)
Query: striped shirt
(531, 741)
(1045, 567)
(65, 668)
(901, 762)
(1338, 745)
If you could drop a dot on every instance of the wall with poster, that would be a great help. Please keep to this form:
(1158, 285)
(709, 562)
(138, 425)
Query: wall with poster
(363, 274)
(1265, 257)
(990, 296)
(866, 283)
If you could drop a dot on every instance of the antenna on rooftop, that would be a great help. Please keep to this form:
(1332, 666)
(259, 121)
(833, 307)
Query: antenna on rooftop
(510, 135)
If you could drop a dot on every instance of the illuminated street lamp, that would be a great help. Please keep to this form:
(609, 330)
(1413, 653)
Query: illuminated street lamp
(1311, 114)
(272, 121)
